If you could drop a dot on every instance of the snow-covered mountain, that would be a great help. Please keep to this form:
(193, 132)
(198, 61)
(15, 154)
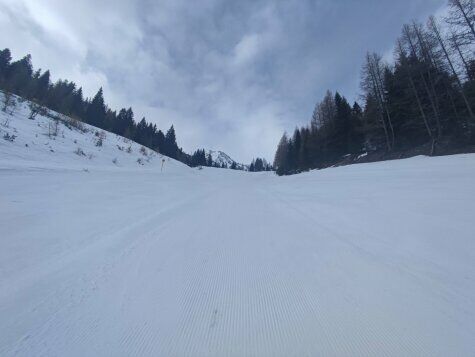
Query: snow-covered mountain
(220, 158)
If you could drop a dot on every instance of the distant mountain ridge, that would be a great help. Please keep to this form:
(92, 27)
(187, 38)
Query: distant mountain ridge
(222, 159)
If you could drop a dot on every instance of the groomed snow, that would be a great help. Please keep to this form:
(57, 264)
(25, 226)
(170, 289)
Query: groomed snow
(104, 259)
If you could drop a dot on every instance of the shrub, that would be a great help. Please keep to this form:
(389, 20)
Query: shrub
(9, 103)
(36, 109)
(74, 123)
(53, 127)
(9, 137)
(100, 137)
(80, 152)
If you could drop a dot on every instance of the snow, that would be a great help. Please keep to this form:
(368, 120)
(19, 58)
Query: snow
(99, 259)
(35, 146)
(221, 158)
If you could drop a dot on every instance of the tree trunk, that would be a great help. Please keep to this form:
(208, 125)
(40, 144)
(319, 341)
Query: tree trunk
(380, 102)
(459, 83)
(430, 62)
(424, 82)
(459, 51)
(416, 95)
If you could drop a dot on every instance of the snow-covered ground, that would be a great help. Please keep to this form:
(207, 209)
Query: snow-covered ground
(122, 259)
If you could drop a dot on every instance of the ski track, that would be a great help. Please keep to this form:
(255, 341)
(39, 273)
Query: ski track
(220, 263)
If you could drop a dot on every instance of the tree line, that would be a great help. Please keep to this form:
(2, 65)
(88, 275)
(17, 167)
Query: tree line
(422, 103)
(260, 164)
(19, 77)
(201, 158)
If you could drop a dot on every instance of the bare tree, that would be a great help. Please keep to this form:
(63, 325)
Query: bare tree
(326, 111)
(462, 16)
(430, 69)
(402, 57)
(372, 83)
(435, 29)
(414, 39)
(456, 46)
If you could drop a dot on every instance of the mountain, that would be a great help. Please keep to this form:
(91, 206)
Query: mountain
(221, 158)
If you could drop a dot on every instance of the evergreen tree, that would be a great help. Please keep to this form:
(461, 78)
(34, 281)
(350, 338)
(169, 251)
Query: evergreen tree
(199, 158)
(96, 110)
(42, 87)
(77, 104)
(171, 147)
(259, 165)
(19, 76)
(281, 156)
(209, 160)
(64, 97)
(5, 59)
(296, 148)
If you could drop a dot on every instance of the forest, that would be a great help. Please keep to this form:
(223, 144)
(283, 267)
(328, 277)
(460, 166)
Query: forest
(422, 103)
(65, 97)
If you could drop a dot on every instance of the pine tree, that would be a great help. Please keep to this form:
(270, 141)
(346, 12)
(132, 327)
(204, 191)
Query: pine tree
(42, 87)
(171, 147)
(5, 59)
(258, 165)
(19, 76)
(209, 160)
(96, 110)
(296, 148)
(77, 104)
(281, 156)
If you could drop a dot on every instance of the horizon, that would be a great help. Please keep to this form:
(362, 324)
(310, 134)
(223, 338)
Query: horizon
(229, 77)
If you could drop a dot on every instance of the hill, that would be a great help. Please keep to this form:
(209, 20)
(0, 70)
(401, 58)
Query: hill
(52, 140)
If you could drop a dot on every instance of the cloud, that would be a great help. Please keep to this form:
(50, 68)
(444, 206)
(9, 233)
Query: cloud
(230, 75)
(246, 50)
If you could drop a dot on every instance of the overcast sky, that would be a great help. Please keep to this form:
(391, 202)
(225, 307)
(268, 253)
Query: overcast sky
(229, 74)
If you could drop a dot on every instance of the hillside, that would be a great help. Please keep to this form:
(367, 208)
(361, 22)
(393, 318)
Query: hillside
(67, 143)
(103, 258)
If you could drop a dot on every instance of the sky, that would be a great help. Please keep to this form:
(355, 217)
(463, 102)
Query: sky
(230, 75)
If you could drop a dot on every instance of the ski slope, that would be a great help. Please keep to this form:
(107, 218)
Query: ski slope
(105, 259)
